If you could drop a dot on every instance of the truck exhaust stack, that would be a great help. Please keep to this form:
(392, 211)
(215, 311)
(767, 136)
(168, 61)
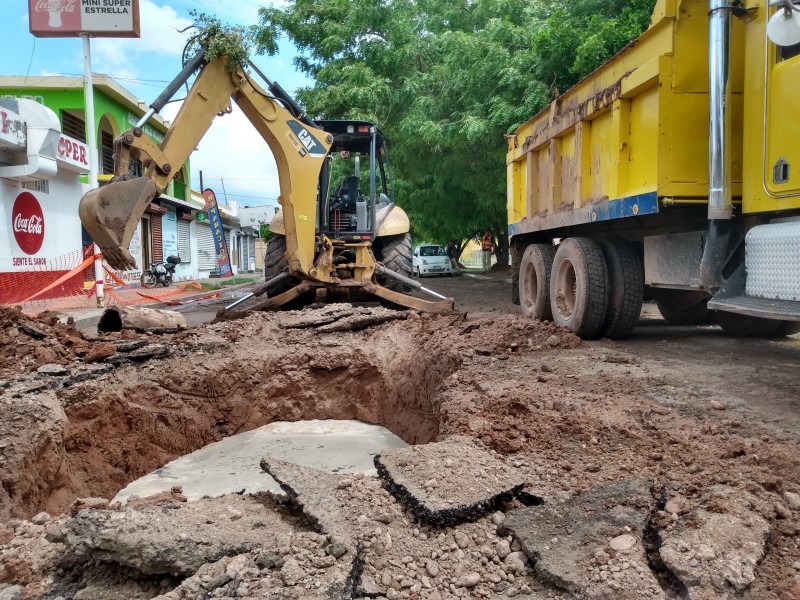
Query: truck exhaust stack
(720, 204)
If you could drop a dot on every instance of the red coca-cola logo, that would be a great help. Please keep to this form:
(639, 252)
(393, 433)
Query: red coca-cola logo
(27, 223)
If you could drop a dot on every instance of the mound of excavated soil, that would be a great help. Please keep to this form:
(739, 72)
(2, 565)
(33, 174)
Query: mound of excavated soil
(567, 420)
(27, 344)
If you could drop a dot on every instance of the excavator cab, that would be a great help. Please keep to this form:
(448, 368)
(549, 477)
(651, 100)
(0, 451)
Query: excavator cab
(348, 208)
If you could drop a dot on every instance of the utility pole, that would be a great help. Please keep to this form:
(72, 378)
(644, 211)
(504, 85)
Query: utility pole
(91, 139)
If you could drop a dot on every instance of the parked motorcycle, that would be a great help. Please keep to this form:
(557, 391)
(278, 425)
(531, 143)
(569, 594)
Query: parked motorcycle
(160, 272)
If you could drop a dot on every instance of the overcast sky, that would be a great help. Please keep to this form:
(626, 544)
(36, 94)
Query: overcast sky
(232, 152)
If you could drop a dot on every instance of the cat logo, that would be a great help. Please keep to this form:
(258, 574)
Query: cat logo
(307, 139)
(308, 143)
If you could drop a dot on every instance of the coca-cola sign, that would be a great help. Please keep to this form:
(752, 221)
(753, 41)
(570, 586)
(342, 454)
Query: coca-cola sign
(27, 223)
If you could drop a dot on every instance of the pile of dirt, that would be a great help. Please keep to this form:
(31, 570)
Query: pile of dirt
(567, 420)
(29, 343)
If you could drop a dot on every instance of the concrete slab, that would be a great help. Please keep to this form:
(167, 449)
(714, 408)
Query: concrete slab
(591, 545)
(447, 482)
(232, 465)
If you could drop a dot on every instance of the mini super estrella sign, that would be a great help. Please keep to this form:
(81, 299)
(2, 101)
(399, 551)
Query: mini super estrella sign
(101, 18)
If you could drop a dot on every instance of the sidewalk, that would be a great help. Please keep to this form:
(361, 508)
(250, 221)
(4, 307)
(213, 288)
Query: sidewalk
(494, 274)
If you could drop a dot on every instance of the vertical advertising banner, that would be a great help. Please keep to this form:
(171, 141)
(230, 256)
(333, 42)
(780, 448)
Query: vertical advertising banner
(215, 220)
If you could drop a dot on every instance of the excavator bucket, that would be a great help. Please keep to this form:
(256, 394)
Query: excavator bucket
(111, 213)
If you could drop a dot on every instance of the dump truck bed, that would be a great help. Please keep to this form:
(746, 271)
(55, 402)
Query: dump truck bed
(631, 138)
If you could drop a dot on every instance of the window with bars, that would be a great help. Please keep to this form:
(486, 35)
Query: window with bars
(135, 168)
(73, 126)
(40, 185)
(107, 152)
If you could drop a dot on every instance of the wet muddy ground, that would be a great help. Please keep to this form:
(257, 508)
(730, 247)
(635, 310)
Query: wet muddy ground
(664, 466)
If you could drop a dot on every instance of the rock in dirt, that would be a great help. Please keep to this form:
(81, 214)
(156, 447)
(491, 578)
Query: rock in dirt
(99, 352)
(447, 482)
(792, 499)
(52, 370)
(715, 549)
(10, 592)
(591, 545)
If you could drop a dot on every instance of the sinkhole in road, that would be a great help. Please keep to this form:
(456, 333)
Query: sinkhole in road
(114, 427)
(231, 465)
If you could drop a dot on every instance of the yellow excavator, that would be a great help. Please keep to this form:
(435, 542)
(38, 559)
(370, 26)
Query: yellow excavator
(345, 242)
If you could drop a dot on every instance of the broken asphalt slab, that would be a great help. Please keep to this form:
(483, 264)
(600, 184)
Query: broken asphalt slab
(591, 545)
(312, 493)
(715, 549)
(158, 540)
(341, 317)
(449, 482)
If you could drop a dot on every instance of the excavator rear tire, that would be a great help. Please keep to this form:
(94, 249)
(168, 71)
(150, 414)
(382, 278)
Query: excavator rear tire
(275, 263)
(394, 251)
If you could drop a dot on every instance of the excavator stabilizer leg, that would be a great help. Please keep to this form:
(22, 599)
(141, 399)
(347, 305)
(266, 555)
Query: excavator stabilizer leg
(111, 213)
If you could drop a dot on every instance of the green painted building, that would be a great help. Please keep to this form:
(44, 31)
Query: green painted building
(115, 108)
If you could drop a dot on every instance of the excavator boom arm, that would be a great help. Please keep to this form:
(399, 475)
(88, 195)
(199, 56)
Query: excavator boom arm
(111, 213)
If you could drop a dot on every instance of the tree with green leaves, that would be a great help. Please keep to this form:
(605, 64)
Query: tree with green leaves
(445, 81)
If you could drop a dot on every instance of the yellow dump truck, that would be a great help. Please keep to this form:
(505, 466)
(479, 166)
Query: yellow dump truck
(671, 172)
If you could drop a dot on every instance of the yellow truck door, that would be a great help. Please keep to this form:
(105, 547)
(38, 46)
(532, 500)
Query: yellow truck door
(782, 131)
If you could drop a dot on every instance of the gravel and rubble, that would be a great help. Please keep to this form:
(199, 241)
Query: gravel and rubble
(537, 406)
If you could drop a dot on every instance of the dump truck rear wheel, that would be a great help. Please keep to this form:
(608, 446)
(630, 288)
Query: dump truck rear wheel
(682, 307)
(394, 251)
(579, 287)
(746, 326)
(534, 281)
(626, 288)
(787, 328)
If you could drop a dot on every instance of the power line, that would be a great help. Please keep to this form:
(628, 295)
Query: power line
(30, 62)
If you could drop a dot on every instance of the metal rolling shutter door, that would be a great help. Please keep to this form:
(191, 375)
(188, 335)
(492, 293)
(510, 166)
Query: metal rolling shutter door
(206, 252)
(184, 245)
(251, 243)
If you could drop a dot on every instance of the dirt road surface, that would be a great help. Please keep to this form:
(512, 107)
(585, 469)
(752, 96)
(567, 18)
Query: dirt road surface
(664, 466)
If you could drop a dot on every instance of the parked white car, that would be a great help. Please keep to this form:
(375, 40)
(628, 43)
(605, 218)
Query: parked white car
(431, 260)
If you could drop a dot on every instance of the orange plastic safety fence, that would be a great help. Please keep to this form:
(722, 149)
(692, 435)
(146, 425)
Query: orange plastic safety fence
(33, 286)
(67, 283)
